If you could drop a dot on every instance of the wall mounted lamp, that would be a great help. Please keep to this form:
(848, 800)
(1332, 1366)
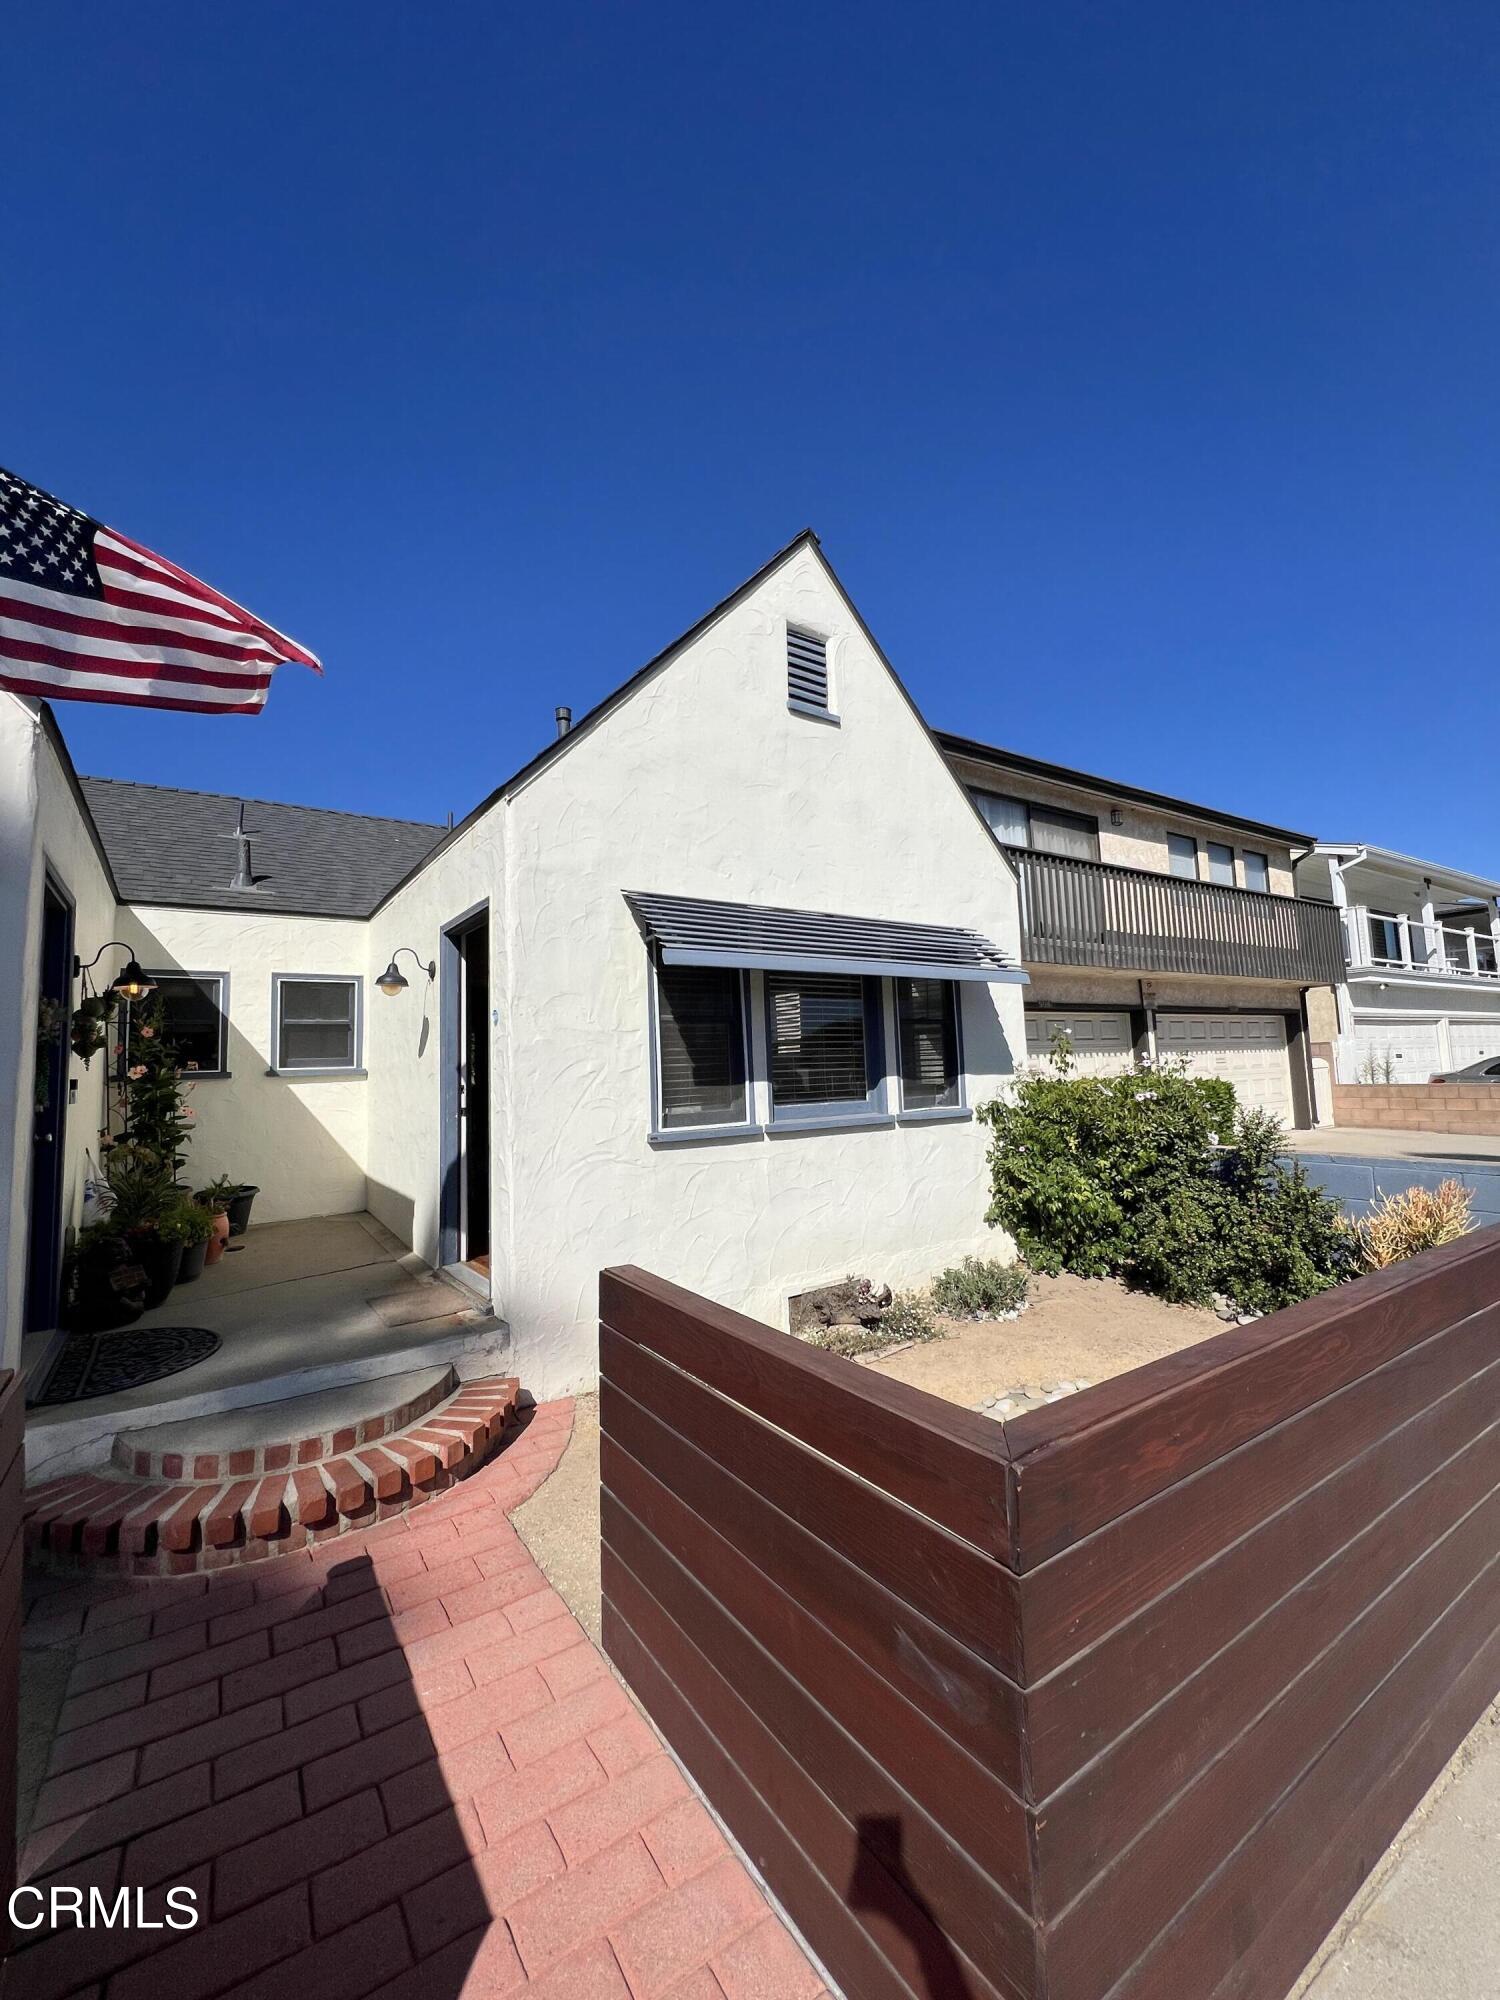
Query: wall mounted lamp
(130, 982)
(393, 981)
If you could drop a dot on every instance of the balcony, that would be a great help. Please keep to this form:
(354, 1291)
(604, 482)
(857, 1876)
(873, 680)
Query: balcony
(1390, 942)
(1094, 913)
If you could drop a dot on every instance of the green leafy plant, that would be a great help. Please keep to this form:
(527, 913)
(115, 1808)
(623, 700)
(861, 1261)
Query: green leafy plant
(1130, 1176)
(980, 1288)
(90, 1029)
(184, 1221)
(157, 1118)
(909, 1317)
(217, 1196)
(141, 1185)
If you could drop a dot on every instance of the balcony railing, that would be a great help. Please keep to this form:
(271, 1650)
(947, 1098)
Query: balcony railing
(1094, 913)
(1393, 942)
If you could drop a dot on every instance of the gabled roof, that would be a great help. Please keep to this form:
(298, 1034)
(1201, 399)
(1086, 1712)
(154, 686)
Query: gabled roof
(1064, 774)
(169, 846)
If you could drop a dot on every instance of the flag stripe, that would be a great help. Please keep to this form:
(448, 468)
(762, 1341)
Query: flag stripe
(147, 666)
(105, 540)
(113, 627)
(70, 685)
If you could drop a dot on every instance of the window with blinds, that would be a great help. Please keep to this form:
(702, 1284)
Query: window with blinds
(317, 1023)
(806, 669)
(192, 1006)
(701, 1045)
(927, 1030)
(819, 1029)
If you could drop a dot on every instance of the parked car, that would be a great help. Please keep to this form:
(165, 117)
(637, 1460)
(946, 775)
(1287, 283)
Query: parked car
(1486, 1070)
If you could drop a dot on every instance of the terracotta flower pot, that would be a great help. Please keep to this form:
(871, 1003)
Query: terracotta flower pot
(220, 1237)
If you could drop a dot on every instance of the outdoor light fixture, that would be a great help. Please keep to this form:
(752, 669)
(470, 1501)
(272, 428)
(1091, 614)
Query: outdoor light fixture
(393, 981)
(131, 983)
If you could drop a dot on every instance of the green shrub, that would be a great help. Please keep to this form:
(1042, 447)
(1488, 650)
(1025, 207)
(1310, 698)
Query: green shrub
(980, 1288)
(1125, 1176)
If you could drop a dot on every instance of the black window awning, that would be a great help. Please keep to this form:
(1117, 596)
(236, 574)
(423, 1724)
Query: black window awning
(688, 931)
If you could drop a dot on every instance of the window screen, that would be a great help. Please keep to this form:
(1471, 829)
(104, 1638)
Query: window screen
(1257, 870)
(926, 1017)
(316, 1024)
(1182, 854)
(1055, 832)
(701, 1045)
(192, 1007)
(806, 668)
(1005, 817)
(819, 1039)
(1221, 864)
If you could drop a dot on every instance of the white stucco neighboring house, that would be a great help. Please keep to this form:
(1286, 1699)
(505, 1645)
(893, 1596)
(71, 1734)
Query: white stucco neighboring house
(718, 980)
(1421, 992)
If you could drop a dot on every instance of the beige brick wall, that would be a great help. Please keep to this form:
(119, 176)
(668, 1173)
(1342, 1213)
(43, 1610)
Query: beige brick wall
(1420, 1107)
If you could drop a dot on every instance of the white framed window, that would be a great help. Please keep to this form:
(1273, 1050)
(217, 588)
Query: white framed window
(1257, 869)
(927, 1039)
(316, 1023)
(825, 1046)
(195, 1019)
(1182, 856)
(701, 1047)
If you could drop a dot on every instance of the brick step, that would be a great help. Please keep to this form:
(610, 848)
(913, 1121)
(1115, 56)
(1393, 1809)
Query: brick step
(110, 1519)
(275, 1437)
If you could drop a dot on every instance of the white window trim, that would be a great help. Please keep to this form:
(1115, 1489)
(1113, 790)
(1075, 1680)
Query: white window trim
(221, 979)
(353, 1068)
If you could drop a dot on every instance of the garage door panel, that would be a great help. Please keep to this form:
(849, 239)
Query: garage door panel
(1247, 1050)
(1472, 1041)
(1103, 1044)
(1392, 1052)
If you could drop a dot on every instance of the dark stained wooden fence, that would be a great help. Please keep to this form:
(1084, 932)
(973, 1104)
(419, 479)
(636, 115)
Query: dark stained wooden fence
(12, 1471)
(1123, 1698)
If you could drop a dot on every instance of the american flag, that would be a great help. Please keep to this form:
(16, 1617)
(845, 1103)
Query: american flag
(89, 615)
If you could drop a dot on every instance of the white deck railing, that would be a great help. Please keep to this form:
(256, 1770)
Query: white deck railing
(1406, 944)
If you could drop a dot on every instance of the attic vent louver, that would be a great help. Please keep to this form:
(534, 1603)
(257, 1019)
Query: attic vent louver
(806, 669)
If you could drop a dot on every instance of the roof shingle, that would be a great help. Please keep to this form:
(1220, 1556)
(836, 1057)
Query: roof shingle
(168, 846)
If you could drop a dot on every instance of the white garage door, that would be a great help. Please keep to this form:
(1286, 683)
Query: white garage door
(1472, 1041)
(1249, 1050)
(1392, 1052)
(1102, 1043)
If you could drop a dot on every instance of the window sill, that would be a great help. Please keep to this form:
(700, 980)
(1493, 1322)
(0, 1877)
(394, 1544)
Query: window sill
(937, 1114)
(205, 1075)
(682, 1135)
(843, 1121)
(813, 714)
(291, 1075)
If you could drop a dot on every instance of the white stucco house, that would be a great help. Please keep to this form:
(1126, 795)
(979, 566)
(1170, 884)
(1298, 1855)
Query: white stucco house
(714, 984)
(1421, 987)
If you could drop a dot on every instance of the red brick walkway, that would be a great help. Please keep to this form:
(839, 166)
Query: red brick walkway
(394, 1765)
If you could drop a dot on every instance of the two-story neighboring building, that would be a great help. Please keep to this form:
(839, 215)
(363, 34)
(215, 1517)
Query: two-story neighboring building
(1421, 992)
(1153, 927)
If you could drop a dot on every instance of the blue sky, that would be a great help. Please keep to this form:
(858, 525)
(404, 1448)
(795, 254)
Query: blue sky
(1137, 364)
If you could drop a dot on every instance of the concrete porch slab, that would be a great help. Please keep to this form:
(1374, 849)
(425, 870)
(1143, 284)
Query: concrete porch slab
(295, 1315)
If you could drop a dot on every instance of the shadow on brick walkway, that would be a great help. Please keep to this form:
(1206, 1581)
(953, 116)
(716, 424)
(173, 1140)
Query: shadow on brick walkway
(393, 1766)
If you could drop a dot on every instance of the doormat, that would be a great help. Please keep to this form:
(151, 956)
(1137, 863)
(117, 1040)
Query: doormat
(106, 1364)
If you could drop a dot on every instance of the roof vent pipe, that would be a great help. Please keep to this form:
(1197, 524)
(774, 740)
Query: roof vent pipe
(564, 720)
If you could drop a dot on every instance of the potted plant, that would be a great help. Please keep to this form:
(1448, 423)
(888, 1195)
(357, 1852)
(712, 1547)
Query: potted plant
(240, 1198)
(195, 1224)
(107, 1285)
(215, 1199)
(146, 1213)
(90, 1029)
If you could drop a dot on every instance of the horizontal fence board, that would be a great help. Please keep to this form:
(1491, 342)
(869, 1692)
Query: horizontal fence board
(1074, 1600)
(948, 1580)
(943, 1461)
(969, 1699)
(963, 1798)
(1091, 1457)
(1091, 1819)
(1077, 1712)
(965, 1902)
(1096, 1940)
(875, 1901)
(1330, 1802)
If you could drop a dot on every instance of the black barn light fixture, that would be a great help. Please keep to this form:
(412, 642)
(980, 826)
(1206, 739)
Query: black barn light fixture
(130, 982)
(393, 981)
